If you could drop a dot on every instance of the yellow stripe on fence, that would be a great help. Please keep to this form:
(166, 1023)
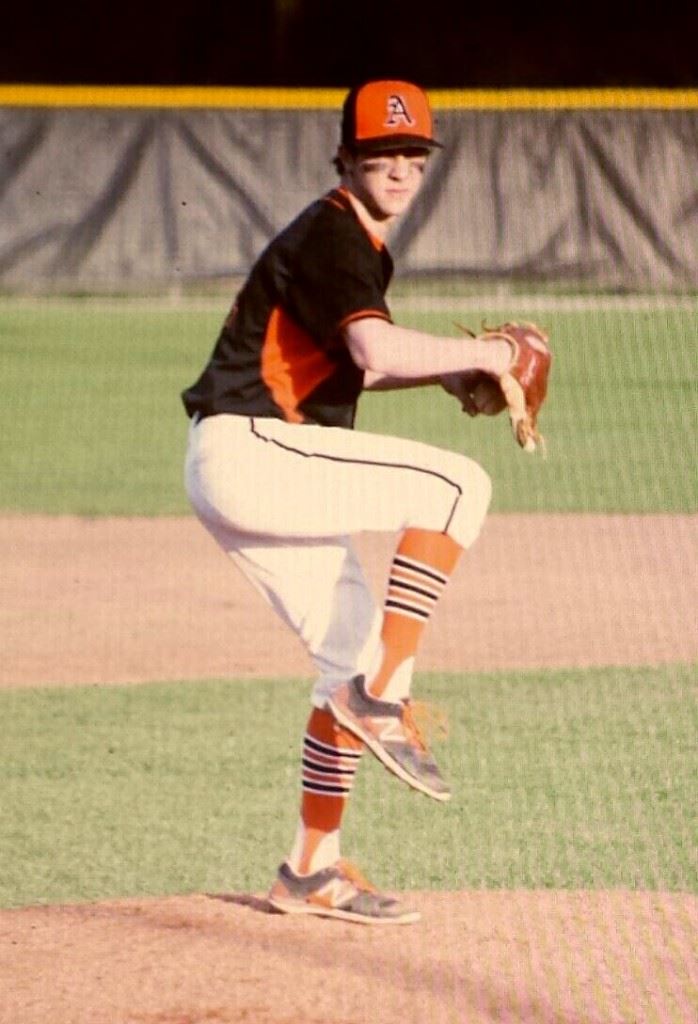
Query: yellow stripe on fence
(235, 97)
(564, 99)
(181, 96)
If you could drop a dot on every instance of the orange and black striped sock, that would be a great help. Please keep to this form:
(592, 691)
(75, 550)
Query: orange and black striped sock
(331, 757)
(420, 570)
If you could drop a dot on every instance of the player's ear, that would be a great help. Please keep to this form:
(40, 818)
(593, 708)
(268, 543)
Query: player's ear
(344, 160)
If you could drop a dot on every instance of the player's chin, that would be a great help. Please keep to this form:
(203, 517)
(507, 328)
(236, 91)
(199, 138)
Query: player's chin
(396, 203)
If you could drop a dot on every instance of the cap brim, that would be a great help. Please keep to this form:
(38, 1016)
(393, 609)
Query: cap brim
(392, 143)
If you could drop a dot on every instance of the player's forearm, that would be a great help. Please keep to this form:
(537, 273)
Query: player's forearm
(400, 353)
(384, 382)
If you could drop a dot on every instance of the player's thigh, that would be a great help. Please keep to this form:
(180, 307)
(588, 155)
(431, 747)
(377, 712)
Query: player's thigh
(360, 481)
(278, 479)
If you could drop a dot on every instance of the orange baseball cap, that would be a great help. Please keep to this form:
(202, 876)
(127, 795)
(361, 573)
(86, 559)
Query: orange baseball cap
(382, 115)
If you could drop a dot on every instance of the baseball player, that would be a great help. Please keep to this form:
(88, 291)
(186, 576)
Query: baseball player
(277, 474)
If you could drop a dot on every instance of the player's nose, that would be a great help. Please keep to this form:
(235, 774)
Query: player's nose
(400, 167)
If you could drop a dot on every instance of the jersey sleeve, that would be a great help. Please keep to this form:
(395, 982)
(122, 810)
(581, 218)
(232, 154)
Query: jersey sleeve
(338, 275)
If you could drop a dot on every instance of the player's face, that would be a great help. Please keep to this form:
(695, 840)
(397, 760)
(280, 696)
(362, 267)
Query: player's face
(386, 183)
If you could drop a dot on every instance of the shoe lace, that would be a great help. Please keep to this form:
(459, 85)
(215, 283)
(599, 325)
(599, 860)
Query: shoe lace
(352, 873)
(422, 720)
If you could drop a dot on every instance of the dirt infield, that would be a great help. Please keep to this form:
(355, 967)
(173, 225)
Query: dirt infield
(476, 958)
(133, 600)
(129, 600)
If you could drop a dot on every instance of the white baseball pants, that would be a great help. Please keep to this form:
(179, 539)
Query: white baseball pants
(283, 500)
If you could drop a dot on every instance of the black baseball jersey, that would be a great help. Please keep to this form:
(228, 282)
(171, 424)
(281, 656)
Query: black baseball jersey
(280, 351)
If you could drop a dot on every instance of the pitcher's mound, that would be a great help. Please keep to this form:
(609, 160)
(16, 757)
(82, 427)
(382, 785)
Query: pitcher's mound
(475, 958)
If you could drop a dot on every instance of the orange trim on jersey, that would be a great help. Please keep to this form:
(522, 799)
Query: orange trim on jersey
(292, 365)
(377, 242)
(361, 314)
(330, 199)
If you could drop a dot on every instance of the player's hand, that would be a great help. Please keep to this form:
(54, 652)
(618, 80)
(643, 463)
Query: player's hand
(477, 392)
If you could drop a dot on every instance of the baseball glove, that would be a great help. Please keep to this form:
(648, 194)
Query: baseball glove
(521, 390)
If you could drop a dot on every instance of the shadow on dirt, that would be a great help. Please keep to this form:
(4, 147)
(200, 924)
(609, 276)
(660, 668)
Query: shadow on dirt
(243, 899)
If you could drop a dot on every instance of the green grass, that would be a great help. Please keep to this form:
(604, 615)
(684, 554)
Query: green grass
(94, 423)
(562, 779)
(93, 399)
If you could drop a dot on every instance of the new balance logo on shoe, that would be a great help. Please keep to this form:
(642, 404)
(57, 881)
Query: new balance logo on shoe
(390, 733)
(339, 891)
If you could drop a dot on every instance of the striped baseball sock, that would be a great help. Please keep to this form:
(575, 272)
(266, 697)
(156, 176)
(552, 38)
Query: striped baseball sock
(331, 756)
(420, 570)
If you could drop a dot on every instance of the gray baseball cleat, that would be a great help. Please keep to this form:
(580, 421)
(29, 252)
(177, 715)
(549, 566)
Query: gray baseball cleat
(391, 734)
(339, 891)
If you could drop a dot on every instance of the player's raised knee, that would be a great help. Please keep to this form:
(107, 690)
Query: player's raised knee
(473, 505)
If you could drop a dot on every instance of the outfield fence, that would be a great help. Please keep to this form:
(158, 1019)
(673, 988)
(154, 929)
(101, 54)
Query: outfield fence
(129, 188)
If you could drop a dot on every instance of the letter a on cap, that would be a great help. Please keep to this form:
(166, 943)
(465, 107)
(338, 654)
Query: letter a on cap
(397, 111)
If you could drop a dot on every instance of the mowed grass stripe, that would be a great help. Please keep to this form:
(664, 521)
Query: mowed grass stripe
(96, 425)
(570, 779)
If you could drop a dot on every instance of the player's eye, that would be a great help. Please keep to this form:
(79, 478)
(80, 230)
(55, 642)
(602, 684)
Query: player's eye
(418, 163)
(415, 164)
(376, 166)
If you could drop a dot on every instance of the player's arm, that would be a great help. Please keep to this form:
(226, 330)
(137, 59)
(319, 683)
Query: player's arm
(382, 382)
(394, 356)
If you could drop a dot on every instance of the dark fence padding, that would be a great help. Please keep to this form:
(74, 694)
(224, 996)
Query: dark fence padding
(115, 197)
